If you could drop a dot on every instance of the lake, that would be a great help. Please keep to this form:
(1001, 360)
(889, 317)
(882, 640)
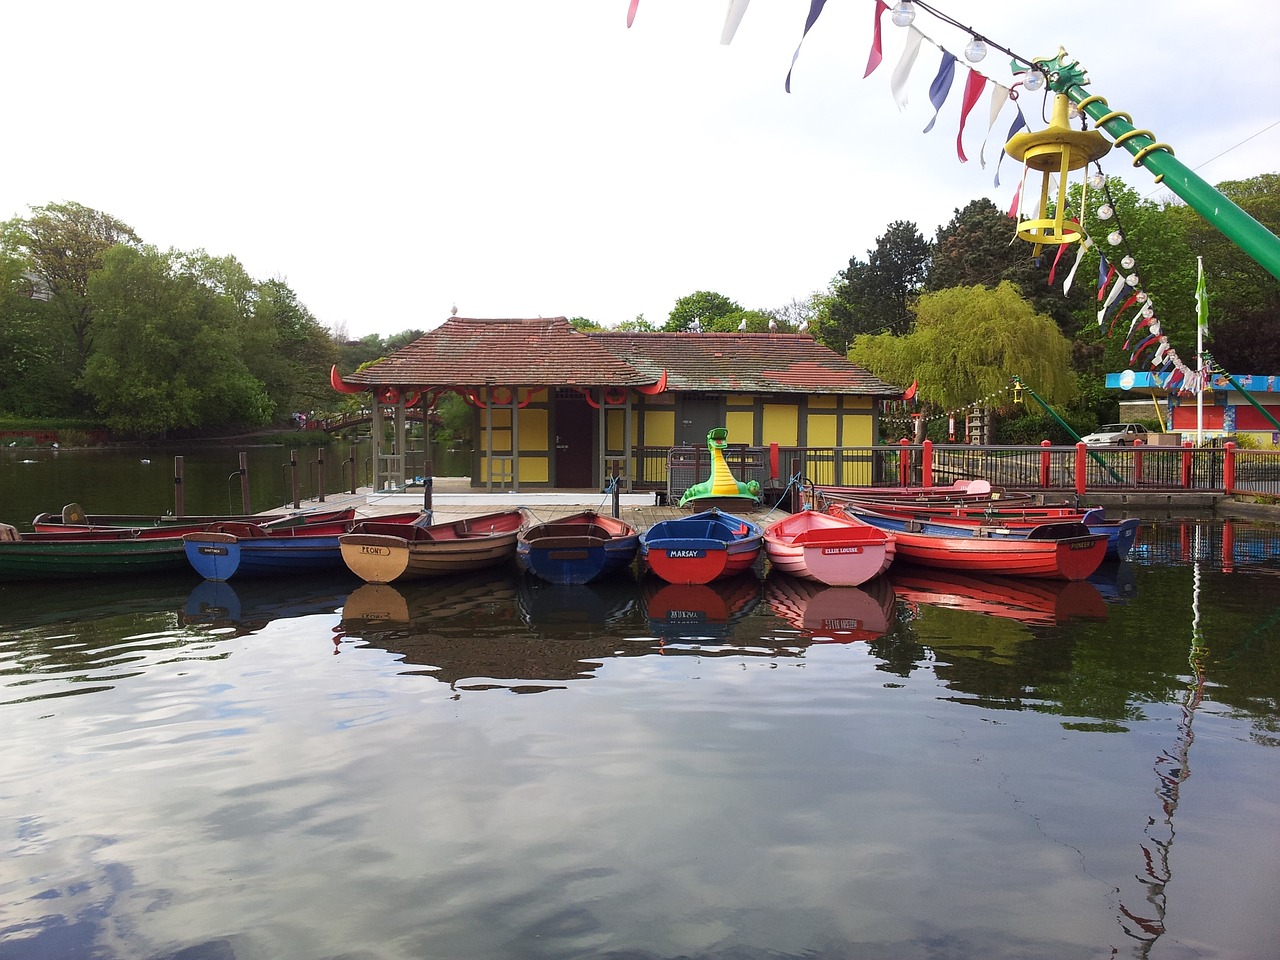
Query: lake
(485, 766)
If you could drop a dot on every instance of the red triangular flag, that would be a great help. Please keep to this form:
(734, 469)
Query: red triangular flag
(631, 12)
(972, 90)
(877, 50)
(911, 390)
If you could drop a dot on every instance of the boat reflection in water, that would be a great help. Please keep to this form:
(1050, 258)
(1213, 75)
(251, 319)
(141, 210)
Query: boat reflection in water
(822, 614)
(698, 611)
(1116, 580)
(472, 633)
(1032, 602)
(251, 604)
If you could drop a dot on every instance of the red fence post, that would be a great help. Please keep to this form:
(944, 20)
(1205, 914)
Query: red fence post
(1080, 469)
(1186, 463)
(1045, 461)
(904, 463)
(926, 466)
(1137, 461)
(1229, 467)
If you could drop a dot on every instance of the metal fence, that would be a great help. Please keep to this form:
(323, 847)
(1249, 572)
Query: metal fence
(672, 470)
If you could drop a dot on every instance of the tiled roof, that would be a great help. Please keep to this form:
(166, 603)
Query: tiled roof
(469, 352)
(743, 362)
(550, 352)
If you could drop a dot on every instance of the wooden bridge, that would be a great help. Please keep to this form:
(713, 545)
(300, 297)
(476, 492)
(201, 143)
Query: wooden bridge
(342, 421)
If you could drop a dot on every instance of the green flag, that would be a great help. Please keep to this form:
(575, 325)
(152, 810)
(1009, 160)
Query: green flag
(1202, 299)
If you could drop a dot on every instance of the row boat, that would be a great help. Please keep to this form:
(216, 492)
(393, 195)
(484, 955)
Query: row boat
(74, 519)
(1066, 551)
(702, 547)
(234, 549)
(830, 549)
(576, 549)
(391, 553)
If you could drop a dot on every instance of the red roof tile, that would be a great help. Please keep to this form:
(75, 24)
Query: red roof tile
(550, 352)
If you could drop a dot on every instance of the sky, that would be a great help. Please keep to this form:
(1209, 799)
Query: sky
(393, 161)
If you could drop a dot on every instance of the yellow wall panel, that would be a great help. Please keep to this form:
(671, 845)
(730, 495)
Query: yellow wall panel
(857, 403)
(535, 469)
(822, 431)
(534, 433)
(741, 425)
(822, 401)
(857, 432)
(781, 425)
(659, 428)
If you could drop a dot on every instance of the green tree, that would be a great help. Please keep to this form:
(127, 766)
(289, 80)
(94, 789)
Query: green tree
(967, 343)
(638, 325)
(1244, 298)
(167, 350)
(65, 243)
(877, 295)
(703, 308)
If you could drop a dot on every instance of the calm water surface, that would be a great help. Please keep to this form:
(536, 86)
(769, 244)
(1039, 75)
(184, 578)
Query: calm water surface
(488, 767)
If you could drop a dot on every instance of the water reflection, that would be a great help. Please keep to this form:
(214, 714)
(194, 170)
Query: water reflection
(1033, 602)
(698, 611)
(823, 614)
(250, 604)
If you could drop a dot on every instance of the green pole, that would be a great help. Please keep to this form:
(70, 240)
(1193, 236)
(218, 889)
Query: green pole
(1245, 393)
(1097, 457)
(1236, 225)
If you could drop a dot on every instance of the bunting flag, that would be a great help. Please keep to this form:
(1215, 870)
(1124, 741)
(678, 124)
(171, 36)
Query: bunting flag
(999, 97)
(877, 49)
(1018, 123)
(1105, 272)
(1084, 245)
(1148, 341)
(1111, 297)
(898, 82)
(1161, 352)
(815, 8)
(1062, 248)
(1017, 200)
(910, 393)
(732, 17)
(631, 12)
(972, 91)
(941, 85)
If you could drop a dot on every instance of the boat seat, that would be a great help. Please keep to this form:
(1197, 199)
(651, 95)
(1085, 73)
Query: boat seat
(8, 533)
(73, 513)
(237, 528)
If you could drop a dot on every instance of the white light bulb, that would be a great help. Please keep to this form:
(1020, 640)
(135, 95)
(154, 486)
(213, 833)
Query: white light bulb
(1127, 262)
(976, 50)
(1142, 296)
(1034, 81)
(1131, 279)
(1106, 212)
(904, 12)
(1097, 180)
(1115, 238)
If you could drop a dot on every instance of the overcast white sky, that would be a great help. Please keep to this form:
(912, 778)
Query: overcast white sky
(523, 158)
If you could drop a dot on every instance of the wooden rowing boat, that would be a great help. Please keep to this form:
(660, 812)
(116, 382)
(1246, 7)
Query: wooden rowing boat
(830, 549)
(578, 548)
(390, 553)
(702, 547)
(1066, 551)
(74, 519)
(242, 550)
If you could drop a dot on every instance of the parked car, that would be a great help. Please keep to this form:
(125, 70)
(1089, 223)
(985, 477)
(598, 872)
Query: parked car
(1116, 435)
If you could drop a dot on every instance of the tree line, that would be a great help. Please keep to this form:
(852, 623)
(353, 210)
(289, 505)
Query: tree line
(94, 323)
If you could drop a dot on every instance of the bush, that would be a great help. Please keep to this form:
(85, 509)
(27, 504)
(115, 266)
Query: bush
(1032, 428)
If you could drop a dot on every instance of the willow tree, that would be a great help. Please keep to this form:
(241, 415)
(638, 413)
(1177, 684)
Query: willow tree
(967, 343)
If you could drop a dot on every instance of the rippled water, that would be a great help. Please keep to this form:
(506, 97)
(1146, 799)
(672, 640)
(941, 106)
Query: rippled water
(490, 767)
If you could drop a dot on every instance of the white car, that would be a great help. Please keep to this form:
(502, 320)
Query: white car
(1116, 435)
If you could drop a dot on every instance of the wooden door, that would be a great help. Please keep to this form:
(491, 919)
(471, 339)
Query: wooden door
(575, 437)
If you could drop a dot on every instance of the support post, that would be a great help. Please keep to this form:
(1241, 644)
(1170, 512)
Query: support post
(1229, 467)
(904, 463)
(178, 497)
(1046, 462)
(1187, 455)
(1137, 461)
(1081, 467)
(926, 463)
(244, 484)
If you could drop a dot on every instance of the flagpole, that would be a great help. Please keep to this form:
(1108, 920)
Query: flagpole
(1200, 359)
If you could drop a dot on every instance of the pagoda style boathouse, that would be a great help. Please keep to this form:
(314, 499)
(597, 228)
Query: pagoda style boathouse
(555, 407)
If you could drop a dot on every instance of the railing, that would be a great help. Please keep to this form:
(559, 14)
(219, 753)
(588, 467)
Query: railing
(1074, 469)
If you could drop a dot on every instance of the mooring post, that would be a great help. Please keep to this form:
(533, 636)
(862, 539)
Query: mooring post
(178, 502)
(426, 486)
(320, 475)
(293, 472)
(617, 492)
(244, 484)
(796, 485)
(354, 469)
